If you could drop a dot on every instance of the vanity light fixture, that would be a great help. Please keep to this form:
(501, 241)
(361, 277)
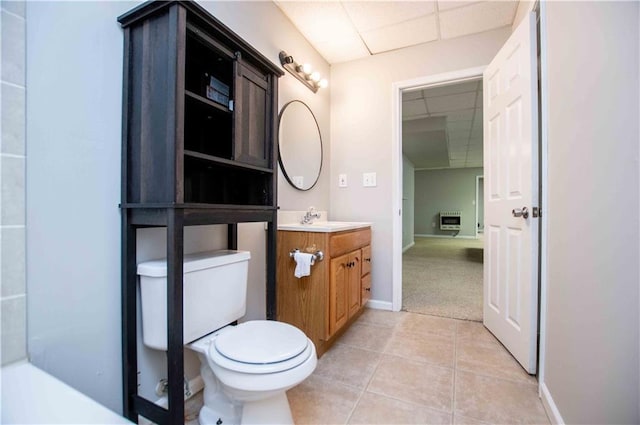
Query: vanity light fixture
(303, 72)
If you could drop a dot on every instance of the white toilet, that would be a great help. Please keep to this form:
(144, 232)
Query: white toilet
(247, 368)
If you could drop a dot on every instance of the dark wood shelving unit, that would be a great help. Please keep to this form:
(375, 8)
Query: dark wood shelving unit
(198, 148)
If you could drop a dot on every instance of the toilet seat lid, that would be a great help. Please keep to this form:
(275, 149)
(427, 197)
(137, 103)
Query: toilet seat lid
(261, 342)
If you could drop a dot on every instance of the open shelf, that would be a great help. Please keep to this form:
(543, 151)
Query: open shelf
(217, 183)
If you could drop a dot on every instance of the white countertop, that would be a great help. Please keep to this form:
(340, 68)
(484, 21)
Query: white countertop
(324, 226)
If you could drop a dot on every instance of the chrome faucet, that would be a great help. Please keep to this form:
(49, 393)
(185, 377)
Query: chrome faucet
(309, 216)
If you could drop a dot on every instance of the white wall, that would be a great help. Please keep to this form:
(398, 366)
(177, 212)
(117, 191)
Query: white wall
(592, 327)
(361, 132)
(408, 197)
(446, 190)
(74, 113)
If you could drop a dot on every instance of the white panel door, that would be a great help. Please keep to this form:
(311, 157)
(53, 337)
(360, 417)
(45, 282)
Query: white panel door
(511, 184)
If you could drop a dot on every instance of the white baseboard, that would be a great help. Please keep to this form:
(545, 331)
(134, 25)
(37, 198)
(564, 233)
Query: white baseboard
(444, 236)
(380, 305)
(550, 406)
(406, 248)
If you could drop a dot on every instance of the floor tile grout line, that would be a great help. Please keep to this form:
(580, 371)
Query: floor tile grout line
(412, 403)
(420, 361)
(366, 386)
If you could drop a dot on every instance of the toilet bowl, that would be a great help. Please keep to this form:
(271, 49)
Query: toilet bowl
(248, 368)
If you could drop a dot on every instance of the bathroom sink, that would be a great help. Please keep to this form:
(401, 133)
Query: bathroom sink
(323, 226)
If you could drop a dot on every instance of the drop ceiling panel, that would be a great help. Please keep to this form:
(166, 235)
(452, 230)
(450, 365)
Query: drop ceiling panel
(328, 27)
(337, 28)
(459, 135)
(424, 124)
(451, 103)
(426, 149)
(459, 126)
(458, 115)
(404, 34)
(446, 4)
(477, 17)
(470, 86)
(350, 48)
(412, 95)
(369, 15)
(413, 108)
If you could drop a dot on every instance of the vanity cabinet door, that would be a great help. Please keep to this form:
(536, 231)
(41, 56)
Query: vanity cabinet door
(338, 298)
(366, 289)
(345, 289)
(354, 285)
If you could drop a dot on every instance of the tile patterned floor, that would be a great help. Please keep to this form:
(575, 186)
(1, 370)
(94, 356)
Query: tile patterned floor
(406, 368)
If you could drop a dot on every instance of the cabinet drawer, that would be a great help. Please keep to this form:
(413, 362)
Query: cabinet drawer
(349, 241)
(366, 289)
(366, 260)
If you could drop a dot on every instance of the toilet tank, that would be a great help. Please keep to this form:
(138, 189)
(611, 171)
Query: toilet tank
(214, 288)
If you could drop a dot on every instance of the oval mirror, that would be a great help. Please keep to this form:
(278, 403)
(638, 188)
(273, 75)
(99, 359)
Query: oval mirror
(300, 145)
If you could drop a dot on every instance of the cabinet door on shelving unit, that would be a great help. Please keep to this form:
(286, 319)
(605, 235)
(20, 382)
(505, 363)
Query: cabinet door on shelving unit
(251, 130)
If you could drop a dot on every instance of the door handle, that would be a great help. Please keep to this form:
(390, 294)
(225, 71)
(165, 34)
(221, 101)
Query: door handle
(520, 212)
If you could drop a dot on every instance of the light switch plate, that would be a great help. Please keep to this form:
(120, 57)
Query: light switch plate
(369, 179)
(342, 180)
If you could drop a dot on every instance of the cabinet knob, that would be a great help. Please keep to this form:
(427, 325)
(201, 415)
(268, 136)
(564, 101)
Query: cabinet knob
(367, 289)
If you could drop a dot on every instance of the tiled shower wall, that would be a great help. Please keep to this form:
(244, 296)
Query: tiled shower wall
(13, 311)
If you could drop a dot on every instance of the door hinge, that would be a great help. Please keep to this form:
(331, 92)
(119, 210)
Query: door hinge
(536, 212)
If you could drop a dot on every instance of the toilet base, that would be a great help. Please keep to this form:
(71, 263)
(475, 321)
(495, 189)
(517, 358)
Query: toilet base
(272, 410)
(209, 416)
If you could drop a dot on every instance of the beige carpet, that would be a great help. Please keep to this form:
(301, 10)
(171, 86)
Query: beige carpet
(443, 277)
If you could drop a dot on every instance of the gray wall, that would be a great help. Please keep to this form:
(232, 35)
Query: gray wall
(408, 191)
(361, 134)
(12, 182)
(73, 186)
(591, 367)
(445, 190)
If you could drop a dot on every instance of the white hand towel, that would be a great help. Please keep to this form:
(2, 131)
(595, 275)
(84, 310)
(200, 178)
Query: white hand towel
(304, 262)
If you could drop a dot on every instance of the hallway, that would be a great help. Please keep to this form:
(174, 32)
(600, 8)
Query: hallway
(443, 277)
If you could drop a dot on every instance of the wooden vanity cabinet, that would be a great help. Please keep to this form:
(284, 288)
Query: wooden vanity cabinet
(333, 296)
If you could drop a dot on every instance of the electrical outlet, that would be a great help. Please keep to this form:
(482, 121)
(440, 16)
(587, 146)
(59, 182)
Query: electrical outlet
(369, 179)
(342, 180)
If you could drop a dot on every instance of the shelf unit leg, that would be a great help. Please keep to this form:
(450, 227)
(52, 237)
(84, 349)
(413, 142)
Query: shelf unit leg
(129, 334)
(271, 268)
(175, 355)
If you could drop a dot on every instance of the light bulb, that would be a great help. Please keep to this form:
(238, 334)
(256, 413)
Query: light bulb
(306, 68)
(323, 83)
(315, 76)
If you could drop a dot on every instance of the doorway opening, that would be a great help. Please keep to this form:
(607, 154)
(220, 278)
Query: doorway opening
(442, 149)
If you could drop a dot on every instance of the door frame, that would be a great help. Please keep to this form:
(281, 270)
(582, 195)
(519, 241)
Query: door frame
(396, 161)
(478, 200)
(396, 188)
